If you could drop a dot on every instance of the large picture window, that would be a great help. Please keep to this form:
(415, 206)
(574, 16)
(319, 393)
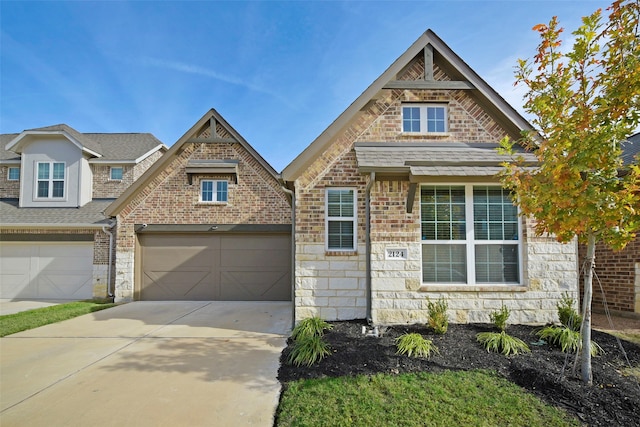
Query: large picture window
(470, 235)
(50, 181)
(340, 220)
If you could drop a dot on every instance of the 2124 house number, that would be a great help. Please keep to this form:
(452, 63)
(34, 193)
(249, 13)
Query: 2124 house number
(396, 253)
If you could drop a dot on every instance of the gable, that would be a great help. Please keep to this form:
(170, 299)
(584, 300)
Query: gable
(210, 149)
(429, 71)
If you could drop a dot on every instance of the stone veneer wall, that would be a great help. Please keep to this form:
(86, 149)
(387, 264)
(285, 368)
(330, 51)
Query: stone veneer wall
(257, 198)
(619, 273)
(333, 285)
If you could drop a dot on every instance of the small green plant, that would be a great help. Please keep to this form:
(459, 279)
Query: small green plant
(567, 339)
(438, 319)
(568, 316)
(308, 350)
(309, 346)
(415, 345)
(499, 318)
(501, 342)
(309, 327)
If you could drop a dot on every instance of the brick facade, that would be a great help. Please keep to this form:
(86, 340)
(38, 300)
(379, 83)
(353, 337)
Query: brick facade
(168, 198)
(8, 189)
(619, 274)
(333, 285)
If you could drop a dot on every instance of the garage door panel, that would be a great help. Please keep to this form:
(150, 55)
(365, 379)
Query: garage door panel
(46, 270)
(239, 267)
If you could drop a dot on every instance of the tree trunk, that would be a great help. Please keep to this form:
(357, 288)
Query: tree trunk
(585, 330)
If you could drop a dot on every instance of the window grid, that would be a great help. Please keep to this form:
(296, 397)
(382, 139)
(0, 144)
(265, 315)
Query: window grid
(13, 174)
(489, 252)
(423, 119)
(50, 181)
(340, 221)
(116, 174)
(214, 191)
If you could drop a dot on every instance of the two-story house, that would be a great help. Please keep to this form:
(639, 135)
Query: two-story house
(55, 183)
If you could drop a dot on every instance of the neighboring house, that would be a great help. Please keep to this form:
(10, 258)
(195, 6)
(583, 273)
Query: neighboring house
(619, 271)
(397, 202)
(209, 221)
(55, 184)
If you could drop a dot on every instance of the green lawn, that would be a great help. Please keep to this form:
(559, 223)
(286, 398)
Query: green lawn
(12, 323)
(473, 398)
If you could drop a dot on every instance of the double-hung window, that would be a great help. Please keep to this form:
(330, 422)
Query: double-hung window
(424, 118)
(340, 219)
(470, 235)
(51, 180)
(13, 174)
(115, 173)
(213, 191)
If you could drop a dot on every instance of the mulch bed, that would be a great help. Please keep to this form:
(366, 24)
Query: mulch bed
(612, 400)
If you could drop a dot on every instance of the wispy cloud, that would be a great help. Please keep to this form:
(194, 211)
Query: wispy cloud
(201, 71)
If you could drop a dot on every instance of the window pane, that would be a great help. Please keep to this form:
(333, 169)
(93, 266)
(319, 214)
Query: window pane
(43, 170)
(43, 188)
(435, 119)
(340, 203)
(58, 171)
(116, 173)
(443, 213)
(495, 217)
(207, 191)
(221, 195)
(58, 189)
(340, 235)
(444, 264)
(14, 174)
(497, 264)
(411, 119)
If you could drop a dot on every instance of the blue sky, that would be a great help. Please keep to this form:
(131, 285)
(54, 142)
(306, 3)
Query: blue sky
(278, 71)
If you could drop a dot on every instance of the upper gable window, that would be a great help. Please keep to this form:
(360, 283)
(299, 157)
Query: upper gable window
(50, 182)
(13, 174)
(424, 118)
(115, 174)
(213, 191)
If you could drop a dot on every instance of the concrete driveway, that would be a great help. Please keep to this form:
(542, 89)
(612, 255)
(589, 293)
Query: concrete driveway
(148, 364)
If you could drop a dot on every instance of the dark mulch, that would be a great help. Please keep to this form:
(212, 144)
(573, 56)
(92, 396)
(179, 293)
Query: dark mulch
(613, 400)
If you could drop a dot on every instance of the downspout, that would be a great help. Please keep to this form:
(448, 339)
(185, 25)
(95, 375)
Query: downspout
(109, 267)
(293, 253)
(372, 178)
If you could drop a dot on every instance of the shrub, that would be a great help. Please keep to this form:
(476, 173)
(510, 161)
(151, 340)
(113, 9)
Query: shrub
(502, 342)
(438, 319)
(499, 318)
(310, 327)
(415, 345)
(308, 350)
(568, 316)
(567, 339)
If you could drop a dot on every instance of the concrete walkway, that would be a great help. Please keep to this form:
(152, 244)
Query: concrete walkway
(10, 306)
(148, 364)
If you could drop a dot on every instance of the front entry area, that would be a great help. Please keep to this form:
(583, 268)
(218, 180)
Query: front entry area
(214, 267)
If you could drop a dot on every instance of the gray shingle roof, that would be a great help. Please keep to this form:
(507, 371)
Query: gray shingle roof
(88, 215)
(433, 159)
(112, 146)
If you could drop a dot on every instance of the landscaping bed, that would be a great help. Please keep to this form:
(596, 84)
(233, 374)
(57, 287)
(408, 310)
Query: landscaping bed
(613, 400)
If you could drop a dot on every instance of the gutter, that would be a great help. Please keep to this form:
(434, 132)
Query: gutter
(109, 266)
(293, 253)
(372, 178)
(91, 226)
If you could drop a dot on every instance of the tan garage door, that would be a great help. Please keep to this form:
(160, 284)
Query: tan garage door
(224, 267)
(46, 270)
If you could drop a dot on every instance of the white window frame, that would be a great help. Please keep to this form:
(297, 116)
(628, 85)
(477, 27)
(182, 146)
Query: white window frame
(50, 180)
(214, 195)
(9, 169)
(111, 169)
(470, 242)
(353, 219)
(424, 126)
